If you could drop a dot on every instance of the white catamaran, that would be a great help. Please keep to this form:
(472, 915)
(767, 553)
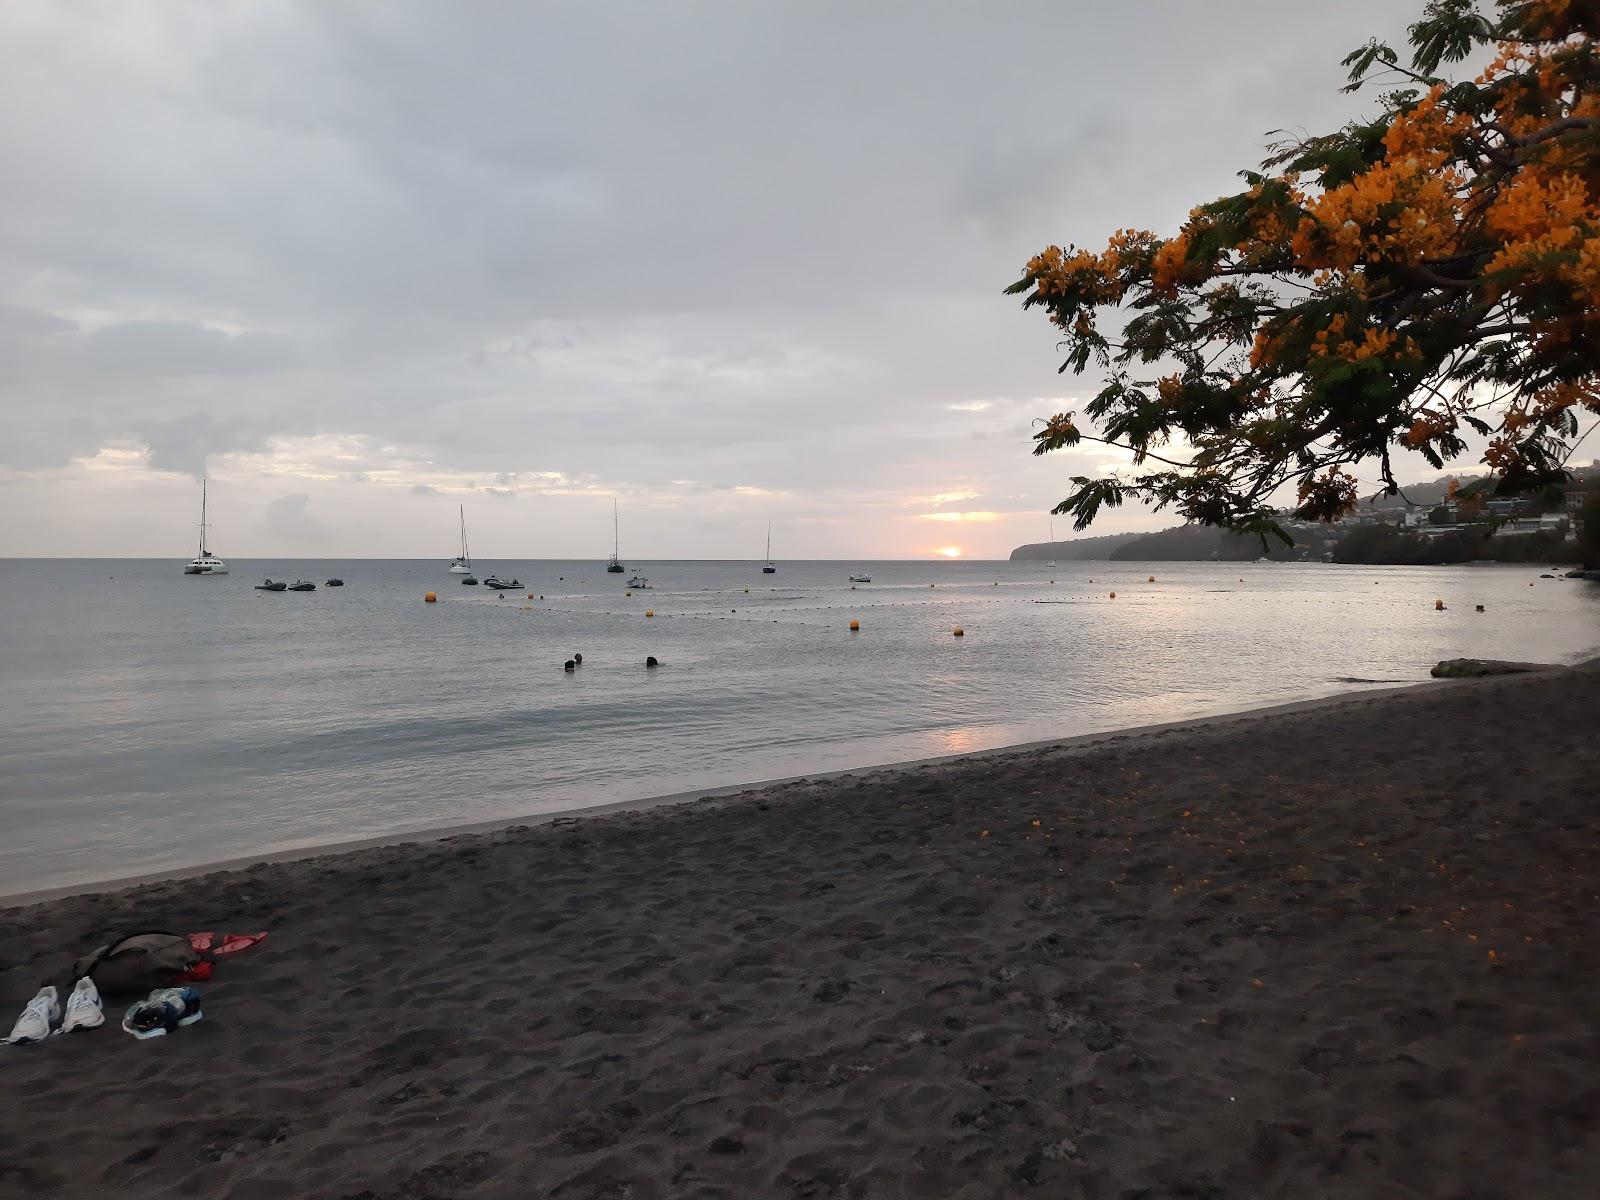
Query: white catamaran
(462, 563)
(204, 563)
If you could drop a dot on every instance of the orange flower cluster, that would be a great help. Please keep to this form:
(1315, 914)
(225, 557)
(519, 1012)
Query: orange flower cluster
(1404, 208)
(1089, 279)
(1332, 342)
(1328, 496)
(1427, 426)
(1549, 230)
(1168, 269)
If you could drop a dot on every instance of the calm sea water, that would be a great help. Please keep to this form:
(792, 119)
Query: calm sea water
(152, 721)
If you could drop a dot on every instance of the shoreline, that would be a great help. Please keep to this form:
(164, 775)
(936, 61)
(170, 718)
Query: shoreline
(722, 792)
(1338, 948)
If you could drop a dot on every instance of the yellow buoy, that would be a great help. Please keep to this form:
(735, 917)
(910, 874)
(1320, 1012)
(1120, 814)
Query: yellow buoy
(1152, 579)
(747, 591)
(431, 598)
(627, 593)
(1113, 595)
(530, 596)
(959, 632)
(649, 612)
(855, 626)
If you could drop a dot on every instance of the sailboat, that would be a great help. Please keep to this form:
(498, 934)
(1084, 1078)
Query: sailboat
(462, 563)
(769, 569)
(204, 563)
(1052, 562)
(615, 565)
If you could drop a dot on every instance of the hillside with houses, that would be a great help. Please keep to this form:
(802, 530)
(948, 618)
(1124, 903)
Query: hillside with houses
(1456, 518)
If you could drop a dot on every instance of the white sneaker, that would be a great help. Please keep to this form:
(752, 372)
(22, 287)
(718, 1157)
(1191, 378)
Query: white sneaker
(34, 1025)
(83, 1007)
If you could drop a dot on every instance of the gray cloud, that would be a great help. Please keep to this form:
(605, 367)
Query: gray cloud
(289, 518)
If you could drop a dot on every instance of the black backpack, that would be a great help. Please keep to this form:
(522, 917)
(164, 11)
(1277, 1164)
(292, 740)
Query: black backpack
(138, 963)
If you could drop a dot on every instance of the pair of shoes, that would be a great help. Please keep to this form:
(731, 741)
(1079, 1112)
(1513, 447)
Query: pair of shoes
(43, 1012)
(163, 1010)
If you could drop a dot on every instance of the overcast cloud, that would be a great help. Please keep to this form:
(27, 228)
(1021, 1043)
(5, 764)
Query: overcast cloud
(728, 263)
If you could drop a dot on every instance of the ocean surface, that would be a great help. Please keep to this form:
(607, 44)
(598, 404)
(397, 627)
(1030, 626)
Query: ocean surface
(150, 720)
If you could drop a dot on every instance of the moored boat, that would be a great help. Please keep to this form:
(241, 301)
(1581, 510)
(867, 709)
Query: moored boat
(614, 566)
(205, 562)
(461, 564)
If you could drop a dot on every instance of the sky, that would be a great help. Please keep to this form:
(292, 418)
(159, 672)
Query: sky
(725, 264)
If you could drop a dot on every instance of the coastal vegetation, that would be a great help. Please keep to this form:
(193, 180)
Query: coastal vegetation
(1421, 282)
(1386, 544)
(1589, 533)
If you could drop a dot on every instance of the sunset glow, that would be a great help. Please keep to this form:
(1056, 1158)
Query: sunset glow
(949, 551)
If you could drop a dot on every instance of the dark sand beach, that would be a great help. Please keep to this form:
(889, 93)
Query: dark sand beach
(1344, 952)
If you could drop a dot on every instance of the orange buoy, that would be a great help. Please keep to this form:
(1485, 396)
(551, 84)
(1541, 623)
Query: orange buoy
(1438, 606)
(855, 626)
(649, 612)
(431, 598)
(1152, 579)
(627, 593)
(1113, 595)
(958, 632)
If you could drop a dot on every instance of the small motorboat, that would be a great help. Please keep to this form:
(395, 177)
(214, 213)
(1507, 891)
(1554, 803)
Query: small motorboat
(640, 584)
(469, 581)
(861, 579)
(500, 585)
(266, 585)
(334, 583)
(300, 585)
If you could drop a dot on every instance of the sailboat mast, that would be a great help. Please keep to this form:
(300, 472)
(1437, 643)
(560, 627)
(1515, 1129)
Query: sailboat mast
(616, 533)
(769, 541)
(465, 554)
(202, 553)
